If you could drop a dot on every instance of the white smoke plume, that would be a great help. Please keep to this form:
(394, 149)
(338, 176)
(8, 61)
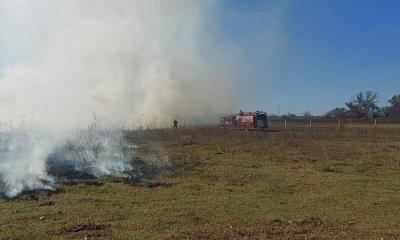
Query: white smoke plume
(126, 61)
(129, 62)
(23, 160)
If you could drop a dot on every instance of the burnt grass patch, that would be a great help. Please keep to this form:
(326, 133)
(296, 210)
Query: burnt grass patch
(66, 173)
(142, 174)
(32, 194)
(139, 173)
(146, 175)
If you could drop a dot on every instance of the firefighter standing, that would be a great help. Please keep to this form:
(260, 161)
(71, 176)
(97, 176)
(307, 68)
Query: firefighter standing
(175, 124)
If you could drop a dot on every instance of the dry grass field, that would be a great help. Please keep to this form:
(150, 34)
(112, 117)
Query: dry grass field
(208, 183)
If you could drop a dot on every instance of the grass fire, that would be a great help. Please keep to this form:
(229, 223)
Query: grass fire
(198, 119)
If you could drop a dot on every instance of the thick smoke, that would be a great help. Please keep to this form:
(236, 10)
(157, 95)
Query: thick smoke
(129, 62)
(124, 60)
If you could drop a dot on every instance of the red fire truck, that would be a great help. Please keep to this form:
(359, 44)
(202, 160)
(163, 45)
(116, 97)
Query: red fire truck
(245, 120)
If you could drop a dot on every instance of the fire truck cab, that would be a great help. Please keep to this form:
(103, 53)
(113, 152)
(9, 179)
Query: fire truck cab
(245, 120)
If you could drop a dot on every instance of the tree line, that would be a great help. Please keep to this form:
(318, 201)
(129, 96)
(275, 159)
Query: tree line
(364, 106)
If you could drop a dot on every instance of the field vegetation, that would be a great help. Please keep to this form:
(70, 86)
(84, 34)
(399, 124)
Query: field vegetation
(210, 183)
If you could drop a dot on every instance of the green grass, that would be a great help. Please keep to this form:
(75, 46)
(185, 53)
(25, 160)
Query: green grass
(325, 184)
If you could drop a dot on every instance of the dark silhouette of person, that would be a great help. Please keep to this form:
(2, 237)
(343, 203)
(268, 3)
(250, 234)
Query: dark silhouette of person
(175, 124)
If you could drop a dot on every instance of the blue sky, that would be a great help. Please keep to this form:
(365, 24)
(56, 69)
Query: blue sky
(323, 52)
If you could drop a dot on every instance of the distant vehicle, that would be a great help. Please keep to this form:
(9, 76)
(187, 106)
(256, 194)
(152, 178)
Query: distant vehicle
(245, 121)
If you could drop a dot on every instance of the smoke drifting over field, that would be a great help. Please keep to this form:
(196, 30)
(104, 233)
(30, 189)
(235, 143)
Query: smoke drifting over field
(124, 60)
(129, 62)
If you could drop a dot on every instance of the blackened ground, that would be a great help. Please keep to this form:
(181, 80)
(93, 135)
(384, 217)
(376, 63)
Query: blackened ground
(31, 194)
(146, 175)
(68, 173)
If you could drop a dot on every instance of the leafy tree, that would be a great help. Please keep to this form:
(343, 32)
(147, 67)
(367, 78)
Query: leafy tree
(379, 112)
(363, 105)
(354, 109)
(394, 109)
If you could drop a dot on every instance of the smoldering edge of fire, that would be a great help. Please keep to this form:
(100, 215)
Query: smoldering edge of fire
(34, 160)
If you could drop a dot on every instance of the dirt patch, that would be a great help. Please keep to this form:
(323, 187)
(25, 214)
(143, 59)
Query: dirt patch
(87, 230)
